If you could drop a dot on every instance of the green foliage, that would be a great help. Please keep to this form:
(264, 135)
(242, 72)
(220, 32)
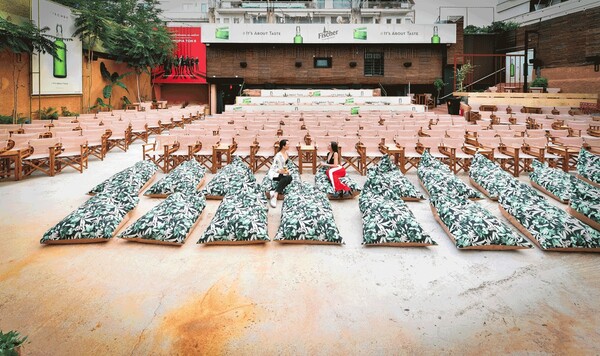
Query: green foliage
(9, 342)
(25, 38)
(540, 82)
(65, 112)
(6, 119)
(495, 27)
(461, 75)
(100, 104)
(48, 113)
(112, 79)
(439, 84)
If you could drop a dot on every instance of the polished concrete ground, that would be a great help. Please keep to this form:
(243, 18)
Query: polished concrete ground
(129, 298)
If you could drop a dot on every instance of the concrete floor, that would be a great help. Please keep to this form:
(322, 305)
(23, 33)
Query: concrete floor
(138, 299)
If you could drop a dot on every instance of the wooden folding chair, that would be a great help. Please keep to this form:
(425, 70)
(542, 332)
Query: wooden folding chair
(41, 157)
(120, 135)
(160, 152)
(207, 155)
(349, 154)
(188, 146)
(73, 153)
(568, 149)
(371, 151)
(245, 148)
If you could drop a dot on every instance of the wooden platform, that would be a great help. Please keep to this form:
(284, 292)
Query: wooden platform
(530, 99)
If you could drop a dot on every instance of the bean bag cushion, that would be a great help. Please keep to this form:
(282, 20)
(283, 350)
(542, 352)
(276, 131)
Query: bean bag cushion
(240, 219)
(437, 179)
(549, 227)
(96, 220)
(170, 222)
(232, 178)
(470, 226)
(137, 177)
(554, 182)
(588, 166)
(268, 184)
(185, 178)
(323, 183)
(388, 222)
(386, 180)
(307, 217)
(585, 203)
(488, 177)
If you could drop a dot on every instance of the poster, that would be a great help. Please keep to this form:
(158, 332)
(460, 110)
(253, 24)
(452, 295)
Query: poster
(189, 63)
(329, 33)
(57, 76)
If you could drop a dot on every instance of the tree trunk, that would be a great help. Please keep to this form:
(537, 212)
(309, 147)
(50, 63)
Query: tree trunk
(16, 74)
(90, 56)
(137, 80)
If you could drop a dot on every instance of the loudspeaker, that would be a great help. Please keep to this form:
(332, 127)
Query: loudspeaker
(352, 64)
(407, 64)
(243, 64)
(298, 64)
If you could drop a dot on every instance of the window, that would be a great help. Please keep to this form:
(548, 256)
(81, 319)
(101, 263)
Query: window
(373, 64)
(322, 62)
(226, 20)
(236, 20)
(398, 20)
(203, 8)
(388, 21)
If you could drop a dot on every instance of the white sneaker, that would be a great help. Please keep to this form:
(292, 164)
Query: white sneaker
(273, 200)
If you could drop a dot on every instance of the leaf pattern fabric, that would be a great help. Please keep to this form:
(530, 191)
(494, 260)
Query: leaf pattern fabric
(473, 226)
(439, 180)
(241, 217)
(585, 199)
(307, 216)
(168, 222)
(386, 180)
(489, 175)
(134, 177)
(552, 227)
(588, 166)
(184, 178)
(323, 183)
(95, 219)
(555, 181)
(387, 221)
(230, 178)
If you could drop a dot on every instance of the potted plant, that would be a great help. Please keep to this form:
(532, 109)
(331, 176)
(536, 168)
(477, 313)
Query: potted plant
(10, 343)
(461, 75)
(539, 82)
(439, 85)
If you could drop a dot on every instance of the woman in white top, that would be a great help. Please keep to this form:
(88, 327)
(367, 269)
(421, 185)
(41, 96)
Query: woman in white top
(279, 172)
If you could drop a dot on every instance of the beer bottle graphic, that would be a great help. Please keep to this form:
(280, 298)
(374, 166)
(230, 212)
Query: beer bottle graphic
(435, 38)
(60, 61)
(222, 33)
(298, 37)
(512, 68)
(360, 33)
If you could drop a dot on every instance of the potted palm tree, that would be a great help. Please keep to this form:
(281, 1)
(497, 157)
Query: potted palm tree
(439, 85)
(10, 343)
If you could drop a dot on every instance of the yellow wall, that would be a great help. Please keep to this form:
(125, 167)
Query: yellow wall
(74, 103)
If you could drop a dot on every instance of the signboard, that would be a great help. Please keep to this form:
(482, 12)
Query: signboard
(515, 66)
(62, 75)
(329, 33)
(189, 64)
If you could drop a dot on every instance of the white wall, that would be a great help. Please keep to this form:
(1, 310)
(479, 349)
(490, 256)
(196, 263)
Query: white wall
(475, 12)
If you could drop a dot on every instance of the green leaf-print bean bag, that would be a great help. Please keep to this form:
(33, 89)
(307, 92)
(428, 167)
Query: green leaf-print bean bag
(554, 182)
(170, 222)
(185, 178)
(307, 217)
(588, 167)
(240, 219)
(471, 227)
(437, 179)
(488, 177)
(229, 178)
(549, 227)
(390, 223)
(585, 203)
(135, 177)
(96, 220)
(386, 180)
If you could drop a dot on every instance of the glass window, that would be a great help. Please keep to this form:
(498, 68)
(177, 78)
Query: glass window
(388, 21)
(373, 64)
(203, 8)
(398, 20)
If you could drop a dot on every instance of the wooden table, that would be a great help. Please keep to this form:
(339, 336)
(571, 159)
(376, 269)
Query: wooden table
(307, 155)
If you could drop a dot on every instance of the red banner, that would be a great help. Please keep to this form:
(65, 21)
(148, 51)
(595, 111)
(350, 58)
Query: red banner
(189, 62)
